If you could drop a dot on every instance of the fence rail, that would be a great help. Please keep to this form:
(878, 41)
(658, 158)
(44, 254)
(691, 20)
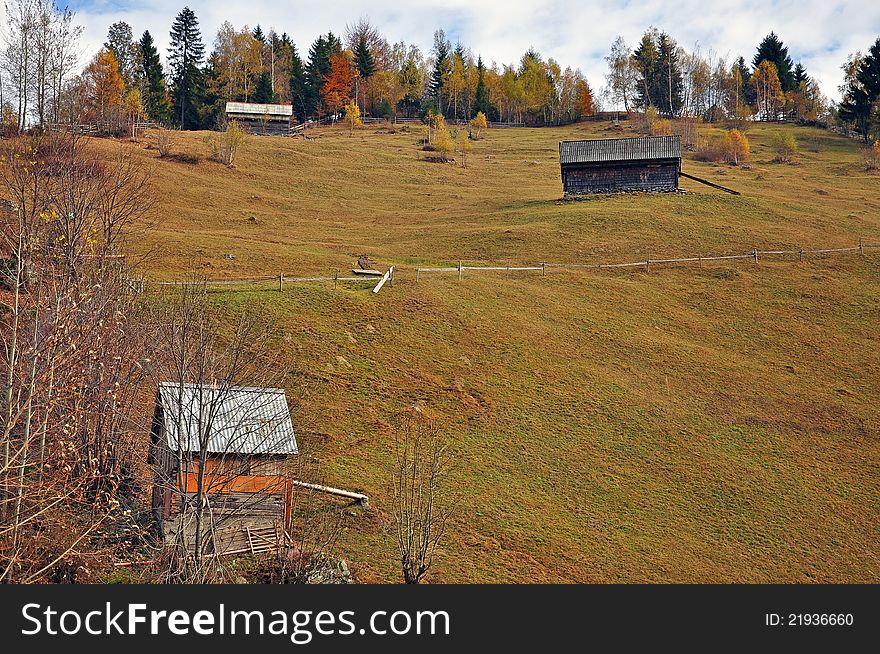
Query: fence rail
(754, 255)
(378, 283)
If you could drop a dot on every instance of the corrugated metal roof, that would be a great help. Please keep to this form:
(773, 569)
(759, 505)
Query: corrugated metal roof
(236, 419)
(259, 109)
(629, 149)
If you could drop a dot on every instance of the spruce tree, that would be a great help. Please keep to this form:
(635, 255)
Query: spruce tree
(481, 95)
(121, 43)
(185, 56)
(263, 92)
(363, 59)
(298, 86)
(442, 65)
(799, 74)
(860, 98)
(668, 81)
(771, 49)
(317, 68)
(645, 59)
(153, 91)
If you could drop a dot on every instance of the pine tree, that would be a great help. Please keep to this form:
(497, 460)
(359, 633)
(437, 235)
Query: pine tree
(799, 75)
(121, 43)
(860, 99)
(298, 85)
(263, 92)
(317, 69)
(154, 95)
(363, 59)
(442, 66)
(645, 60)
(668, 81)
(771, 49)
(481, 95)
(185, 56)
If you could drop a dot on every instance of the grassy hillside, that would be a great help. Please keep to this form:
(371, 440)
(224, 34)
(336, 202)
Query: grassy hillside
(715, 424)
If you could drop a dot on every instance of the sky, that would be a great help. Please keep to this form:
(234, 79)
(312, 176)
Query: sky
(577, 33)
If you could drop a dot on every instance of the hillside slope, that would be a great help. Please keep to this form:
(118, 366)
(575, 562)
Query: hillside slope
(687, 424)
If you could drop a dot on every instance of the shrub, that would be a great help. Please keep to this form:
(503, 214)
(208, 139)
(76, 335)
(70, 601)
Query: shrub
(478, 124)
(738, 147)
(443, 143)
(164, 141)
(226, 147)
(784, 147)
(352, 116)
(464, 146)
(872, 157)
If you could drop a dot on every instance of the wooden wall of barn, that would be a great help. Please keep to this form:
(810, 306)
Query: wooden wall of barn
(579, 179)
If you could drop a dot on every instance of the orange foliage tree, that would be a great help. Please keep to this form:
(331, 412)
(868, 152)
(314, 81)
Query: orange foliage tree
(338, 83)
(584, 104)
(104, 88)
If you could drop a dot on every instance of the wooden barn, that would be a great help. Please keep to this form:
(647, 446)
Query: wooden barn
(244, 436)
(268, 119)
(650, 163)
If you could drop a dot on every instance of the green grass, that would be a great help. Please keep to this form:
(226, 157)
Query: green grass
(716, 424)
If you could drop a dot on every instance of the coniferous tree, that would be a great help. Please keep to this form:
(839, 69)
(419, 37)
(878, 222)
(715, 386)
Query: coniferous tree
(153, 93)
(258, 34)
(263, 92)
(298, 84)
(318, 67)
(185, 56)
(861, 99)
(645, 59)
(442, 66)
(121, 43)
(363, 59)
(481, 95)
(771, 49)
(667, 79)
(799, 75)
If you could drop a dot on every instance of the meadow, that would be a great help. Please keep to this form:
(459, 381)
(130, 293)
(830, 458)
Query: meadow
(687, 424)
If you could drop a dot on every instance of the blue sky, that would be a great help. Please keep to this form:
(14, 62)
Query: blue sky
(820, 33)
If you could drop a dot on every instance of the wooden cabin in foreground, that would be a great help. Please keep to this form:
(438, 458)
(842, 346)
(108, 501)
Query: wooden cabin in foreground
(650, 163)
(237, 441)
(255, 118)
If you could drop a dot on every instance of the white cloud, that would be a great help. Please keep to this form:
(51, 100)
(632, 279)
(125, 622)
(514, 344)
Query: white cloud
(820, 33)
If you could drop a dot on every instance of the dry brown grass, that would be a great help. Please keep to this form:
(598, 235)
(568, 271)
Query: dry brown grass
(684, 425)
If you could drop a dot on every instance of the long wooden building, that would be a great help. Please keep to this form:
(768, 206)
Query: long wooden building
(650, 163)
(270, 119)
(224, 448)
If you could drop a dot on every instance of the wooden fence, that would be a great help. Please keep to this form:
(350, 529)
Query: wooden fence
(276, 282)
(755, 256)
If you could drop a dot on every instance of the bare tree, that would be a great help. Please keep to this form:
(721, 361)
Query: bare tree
(421, 512)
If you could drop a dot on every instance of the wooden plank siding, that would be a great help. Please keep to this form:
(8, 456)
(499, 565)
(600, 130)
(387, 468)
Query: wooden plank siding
(612, 177)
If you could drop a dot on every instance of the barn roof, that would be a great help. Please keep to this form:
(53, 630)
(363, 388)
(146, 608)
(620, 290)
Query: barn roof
(628, 149)
(257, 109)
(244, 421)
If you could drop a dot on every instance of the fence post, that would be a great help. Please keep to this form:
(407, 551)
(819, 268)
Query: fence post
(281, 282)
(861, 247)
(459, 271)
(755, 252)
(418, 270)
(700, 261)
(543, 269)
(801, 255)
(336, 280)
(648, 264)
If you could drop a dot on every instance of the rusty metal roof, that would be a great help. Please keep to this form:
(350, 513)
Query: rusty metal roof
(629, 149)
(257, 109)
(231, 419)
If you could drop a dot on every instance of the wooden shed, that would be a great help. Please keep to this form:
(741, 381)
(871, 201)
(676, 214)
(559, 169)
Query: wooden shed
(650, 163)
(233, 443)
(270, 119)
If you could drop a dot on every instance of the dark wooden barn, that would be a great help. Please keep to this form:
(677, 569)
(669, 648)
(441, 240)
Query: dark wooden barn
(269, 119)
(650, 163)
(233, 444)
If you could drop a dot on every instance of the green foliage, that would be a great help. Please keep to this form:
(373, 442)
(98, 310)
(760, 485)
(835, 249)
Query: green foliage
(784, 146)
(363, 59)
(771, 49)
(860, 105)
(185, 56)
(155, 94)
(660, 82)
(263, 92)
